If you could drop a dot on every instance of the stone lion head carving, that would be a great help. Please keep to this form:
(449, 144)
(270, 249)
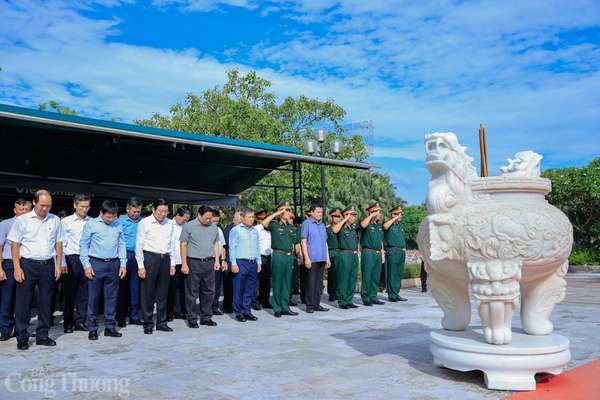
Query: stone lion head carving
(525, 164)
(445, 154)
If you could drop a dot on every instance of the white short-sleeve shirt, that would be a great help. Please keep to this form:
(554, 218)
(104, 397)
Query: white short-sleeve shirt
(36, 236)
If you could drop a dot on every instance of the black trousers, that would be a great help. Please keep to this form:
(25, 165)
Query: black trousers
(264, 281)
(295, 279)
(303, 272)
(176, 299)
(199, 284)
(314, 285)
(155, 288)
(423, 276)
(38, 274)
(75, 289)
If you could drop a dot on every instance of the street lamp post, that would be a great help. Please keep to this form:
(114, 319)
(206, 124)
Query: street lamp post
(319, 147)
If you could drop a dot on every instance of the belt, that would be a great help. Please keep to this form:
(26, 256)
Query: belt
(205, 259)
(161, 255)
(285, 253)
(104, 259)
(41, 262)
(247, 260)
(396, 247)
(348, 251)
(370, 249)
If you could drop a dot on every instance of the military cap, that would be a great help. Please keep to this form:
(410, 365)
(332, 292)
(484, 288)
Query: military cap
(336, 212)
(397, 208)
(283, 204)
(374, 207)
(349, 210)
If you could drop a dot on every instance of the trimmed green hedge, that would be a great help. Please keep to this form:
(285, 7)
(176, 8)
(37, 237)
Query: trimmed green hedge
(412, 271)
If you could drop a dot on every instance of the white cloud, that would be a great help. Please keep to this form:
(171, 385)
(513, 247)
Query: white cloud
(409, 69)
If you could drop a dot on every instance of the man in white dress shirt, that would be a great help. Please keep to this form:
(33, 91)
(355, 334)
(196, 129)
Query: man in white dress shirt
(154, 252)
(176, 299)
(37, 238)
(264, 277)
(74, 282)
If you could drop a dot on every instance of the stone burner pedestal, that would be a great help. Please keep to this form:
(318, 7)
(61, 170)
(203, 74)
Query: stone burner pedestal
(507, 367)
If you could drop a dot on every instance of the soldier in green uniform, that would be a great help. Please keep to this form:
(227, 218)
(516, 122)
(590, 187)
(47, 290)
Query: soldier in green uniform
(372, 255)
(347, 258)
(395, 250)
(283, 243)
(333, 246)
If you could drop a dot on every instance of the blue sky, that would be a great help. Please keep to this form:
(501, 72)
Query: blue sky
(529, 70)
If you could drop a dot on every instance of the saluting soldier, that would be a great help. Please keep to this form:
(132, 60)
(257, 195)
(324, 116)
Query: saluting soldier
(395, 246)
(347, 259)
(283, 244)
(333, 246)
(372, 255)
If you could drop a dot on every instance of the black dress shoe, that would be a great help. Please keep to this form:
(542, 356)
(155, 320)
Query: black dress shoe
(267, 306)
(178, 316)
(240, 318)
(122, 324)
(112, 333)
(292, 303)
(45, 342)
(332, 298)
(352, 305)
(208, 322)
(164, 328)
(257, 306)
(289, 312)
(68, 329)
(378, 302)
(366, 303)
(250, 317)
(80, 328)
(193, 324)
(344, 306)
(22, 344)
(148, 331)
(135, 322)
(228, 310)
(321, 308)
(393, 300)
(93, 335)
(216, 311)
(277, 314)
(170, 318)
(310, 310)
(4, 337)
(423, 289)
(401, 299)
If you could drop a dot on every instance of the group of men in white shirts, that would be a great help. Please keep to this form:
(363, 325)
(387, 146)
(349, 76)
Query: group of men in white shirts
(130, 263)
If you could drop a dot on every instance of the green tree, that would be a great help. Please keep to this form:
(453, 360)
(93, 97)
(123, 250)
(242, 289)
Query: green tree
(55, 106)
(576, 191)
(244, 108)
(413, 215)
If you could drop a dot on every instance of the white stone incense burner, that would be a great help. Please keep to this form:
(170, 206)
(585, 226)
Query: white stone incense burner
(499, 239)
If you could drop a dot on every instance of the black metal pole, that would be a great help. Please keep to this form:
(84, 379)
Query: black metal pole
(323, 188)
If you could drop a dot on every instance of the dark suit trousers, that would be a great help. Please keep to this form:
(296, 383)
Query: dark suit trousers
(40, 275)
(105, 282)
(7, 298)
(200, 283)
(264, 281)
(155, 288)
(75, 289)
(176, 301)
(314, 285)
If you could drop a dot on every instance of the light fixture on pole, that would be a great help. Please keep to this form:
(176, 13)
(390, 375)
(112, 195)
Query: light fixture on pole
(321, 148)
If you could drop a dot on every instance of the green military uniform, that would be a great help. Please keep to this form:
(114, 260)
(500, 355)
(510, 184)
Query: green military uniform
(283, 240)
(347, 264)
(370, 265)
(332, 246)
(395, 246)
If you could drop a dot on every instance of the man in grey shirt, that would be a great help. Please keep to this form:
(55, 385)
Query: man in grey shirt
(199, 260)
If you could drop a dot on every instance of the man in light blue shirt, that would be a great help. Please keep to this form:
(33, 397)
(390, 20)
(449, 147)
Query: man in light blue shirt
(244, 254)
(8, 284)
(128, 302)
(103, 255)
(37, 239)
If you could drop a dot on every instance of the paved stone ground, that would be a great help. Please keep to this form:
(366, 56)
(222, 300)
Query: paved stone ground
(369, 353)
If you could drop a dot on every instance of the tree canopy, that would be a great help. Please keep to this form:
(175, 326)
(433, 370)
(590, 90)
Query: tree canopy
(245, 108)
